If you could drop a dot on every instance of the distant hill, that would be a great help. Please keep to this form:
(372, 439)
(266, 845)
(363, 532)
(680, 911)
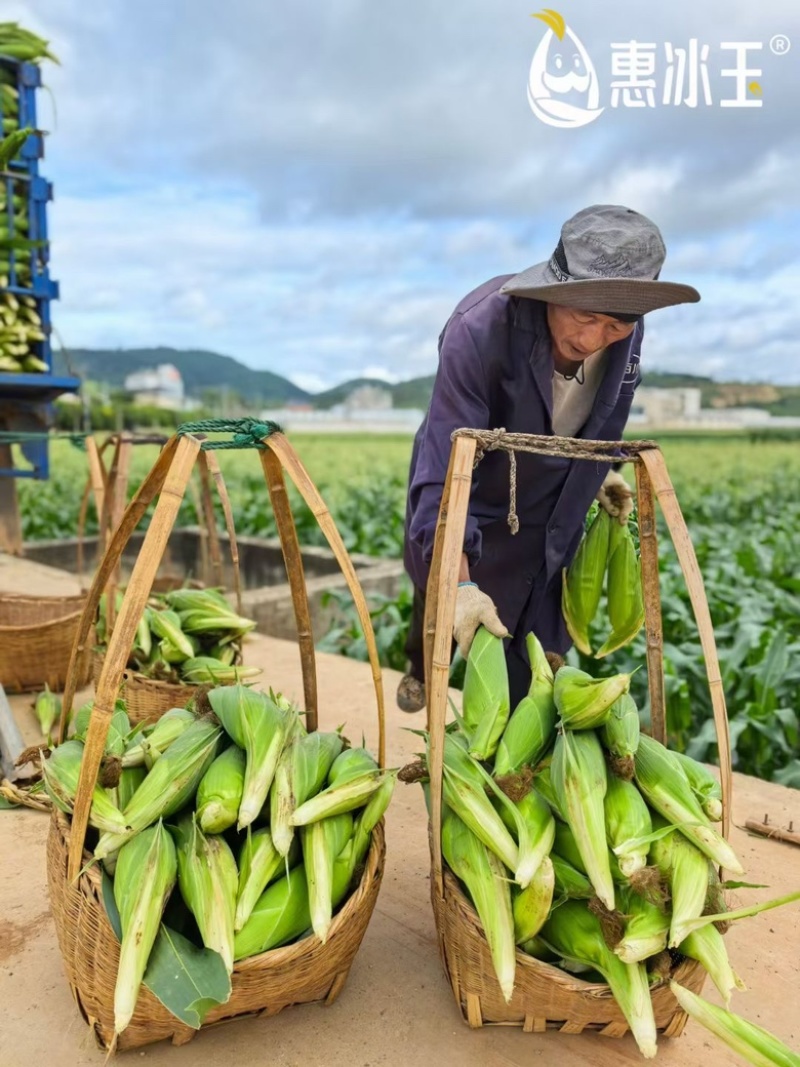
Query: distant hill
(200, 370)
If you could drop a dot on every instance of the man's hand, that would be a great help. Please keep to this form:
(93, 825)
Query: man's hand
(474, 609)
(616, 497)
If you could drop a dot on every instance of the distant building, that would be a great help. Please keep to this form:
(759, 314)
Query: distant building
(660, 407)
(160, 387)
(369, 398)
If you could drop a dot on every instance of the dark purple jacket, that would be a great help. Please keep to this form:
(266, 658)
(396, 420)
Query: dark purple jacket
(496, 369)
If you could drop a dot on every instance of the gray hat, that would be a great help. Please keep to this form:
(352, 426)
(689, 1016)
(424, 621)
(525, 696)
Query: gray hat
(608, 260)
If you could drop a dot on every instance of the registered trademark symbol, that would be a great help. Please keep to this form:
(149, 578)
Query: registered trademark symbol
(780, 44)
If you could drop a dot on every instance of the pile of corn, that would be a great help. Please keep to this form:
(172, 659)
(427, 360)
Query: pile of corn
(187, 635)
(579, 841)
(263, 827)
(20, 324)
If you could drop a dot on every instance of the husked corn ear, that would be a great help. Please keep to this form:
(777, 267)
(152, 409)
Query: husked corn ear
(143, 880)
(323, 841)
(530, 730)
(584, 702)
(531, 906)
(487, 884)
(627, 821)
(625, 603)
(583, 581)
(576, 934)
(48, 710)
(281, 914)
(61, 771)
(666, 788)
(580, 782)
(208, 880)
(707, 946)
(747, 1040)
(620, 735)
(646, 929)
(703, 784)
(169, 785)
(301, 772)
(220, 792)
(259, 864)
(485, 704)
(260, 727)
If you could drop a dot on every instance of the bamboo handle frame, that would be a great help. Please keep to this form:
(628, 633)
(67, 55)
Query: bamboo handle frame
(168, 480)
(653, 483)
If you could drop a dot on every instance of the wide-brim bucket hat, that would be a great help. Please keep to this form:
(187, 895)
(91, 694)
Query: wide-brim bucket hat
(608, 260)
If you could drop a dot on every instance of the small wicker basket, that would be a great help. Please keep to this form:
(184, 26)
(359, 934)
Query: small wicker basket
(146, 699)
(36, 638)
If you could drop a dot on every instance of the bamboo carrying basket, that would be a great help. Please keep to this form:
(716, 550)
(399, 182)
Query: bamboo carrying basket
(295, 974)
(147, 699)
(545, 997)
(36, 638)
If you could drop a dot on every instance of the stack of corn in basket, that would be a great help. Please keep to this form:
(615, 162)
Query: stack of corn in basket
(310, 969)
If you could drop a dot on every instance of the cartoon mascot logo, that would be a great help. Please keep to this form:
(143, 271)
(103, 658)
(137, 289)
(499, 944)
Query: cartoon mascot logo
(562, 86)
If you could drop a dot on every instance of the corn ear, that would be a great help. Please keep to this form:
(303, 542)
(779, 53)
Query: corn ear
(569, 881)
(147, 745)
(535, 845)
(543, 782)
(530, 730)
(129, 781)
(747, 1040)
(703, 784)
(627, 819)
(301, 772)
(200, 669)
(61, 771)
(259, 864)
(485, 879)
(624, 585)
(531, 906)
(281, 914)
(208, 879)
(485, 704)
(584, 702)
(350, 764)
(707, 946)
(646, 929)
(220, 792)
(322, 843)
(48, 710)
(580, 782)
(686, 870)
(143, 880)
(582, 583)
(338, 799)
(666, 788)
(167, 625)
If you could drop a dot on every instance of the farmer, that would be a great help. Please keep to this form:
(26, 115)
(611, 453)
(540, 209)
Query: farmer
(553, 350)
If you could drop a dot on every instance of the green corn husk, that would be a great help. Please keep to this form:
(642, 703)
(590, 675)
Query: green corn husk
(340, 798)
(148, 746)
(566, 846)
(666, 788)
(535, 812)
(48, 711)
(485, 879)
(576, 934)
(215, 620)
(531, 906)
(200, 669)
(582, 583)
(322, 842)
(259, 864)
(144, 635)
(61, 771)
(350, 764)
(620, 735)
(301, 772)
(580, 781)
(173, 655)
(686, 870)
(281, 914)
(208, 600)
(531, 729)
(169, 785)
(627, 819)
(144, 877)
(751, 1042)
(569, 881)
(485, 703)
(260, 727)
(646, 929)
(707, 946)
(543, 783)
(583, 702)
(539, 950)
(703, 784)
(220, 792)
(208, 881)
(167, 626)
(129, 781)
(368, 819)
(624, 585)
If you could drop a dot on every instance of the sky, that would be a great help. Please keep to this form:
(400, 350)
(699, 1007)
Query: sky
(312, 187)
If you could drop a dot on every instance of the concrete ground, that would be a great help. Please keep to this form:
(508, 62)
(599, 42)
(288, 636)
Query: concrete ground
(397, 1008)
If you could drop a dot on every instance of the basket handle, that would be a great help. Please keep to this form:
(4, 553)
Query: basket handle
(656, 468)
(651, 593)
(96, 484)
(169, 479)
(227, 510)
(279, 444)
(212, 566)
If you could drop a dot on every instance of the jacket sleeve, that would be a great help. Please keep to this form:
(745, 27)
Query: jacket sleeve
(459, 399)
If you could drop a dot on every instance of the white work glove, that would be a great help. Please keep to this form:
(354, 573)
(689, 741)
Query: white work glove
(474, 609)
(616, 497)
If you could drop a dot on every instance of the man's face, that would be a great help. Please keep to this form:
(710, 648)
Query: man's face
(577, 334)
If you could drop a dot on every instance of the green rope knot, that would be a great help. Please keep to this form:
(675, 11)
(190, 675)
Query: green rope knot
(247, 433)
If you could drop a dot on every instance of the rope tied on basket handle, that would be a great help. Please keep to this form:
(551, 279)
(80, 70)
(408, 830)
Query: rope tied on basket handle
(247, 433)
(546, 444)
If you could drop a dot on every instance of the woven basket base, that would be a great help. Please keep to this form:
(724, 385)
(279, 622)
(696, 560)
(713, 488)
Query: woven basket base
(301, 973)
(545, 997)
